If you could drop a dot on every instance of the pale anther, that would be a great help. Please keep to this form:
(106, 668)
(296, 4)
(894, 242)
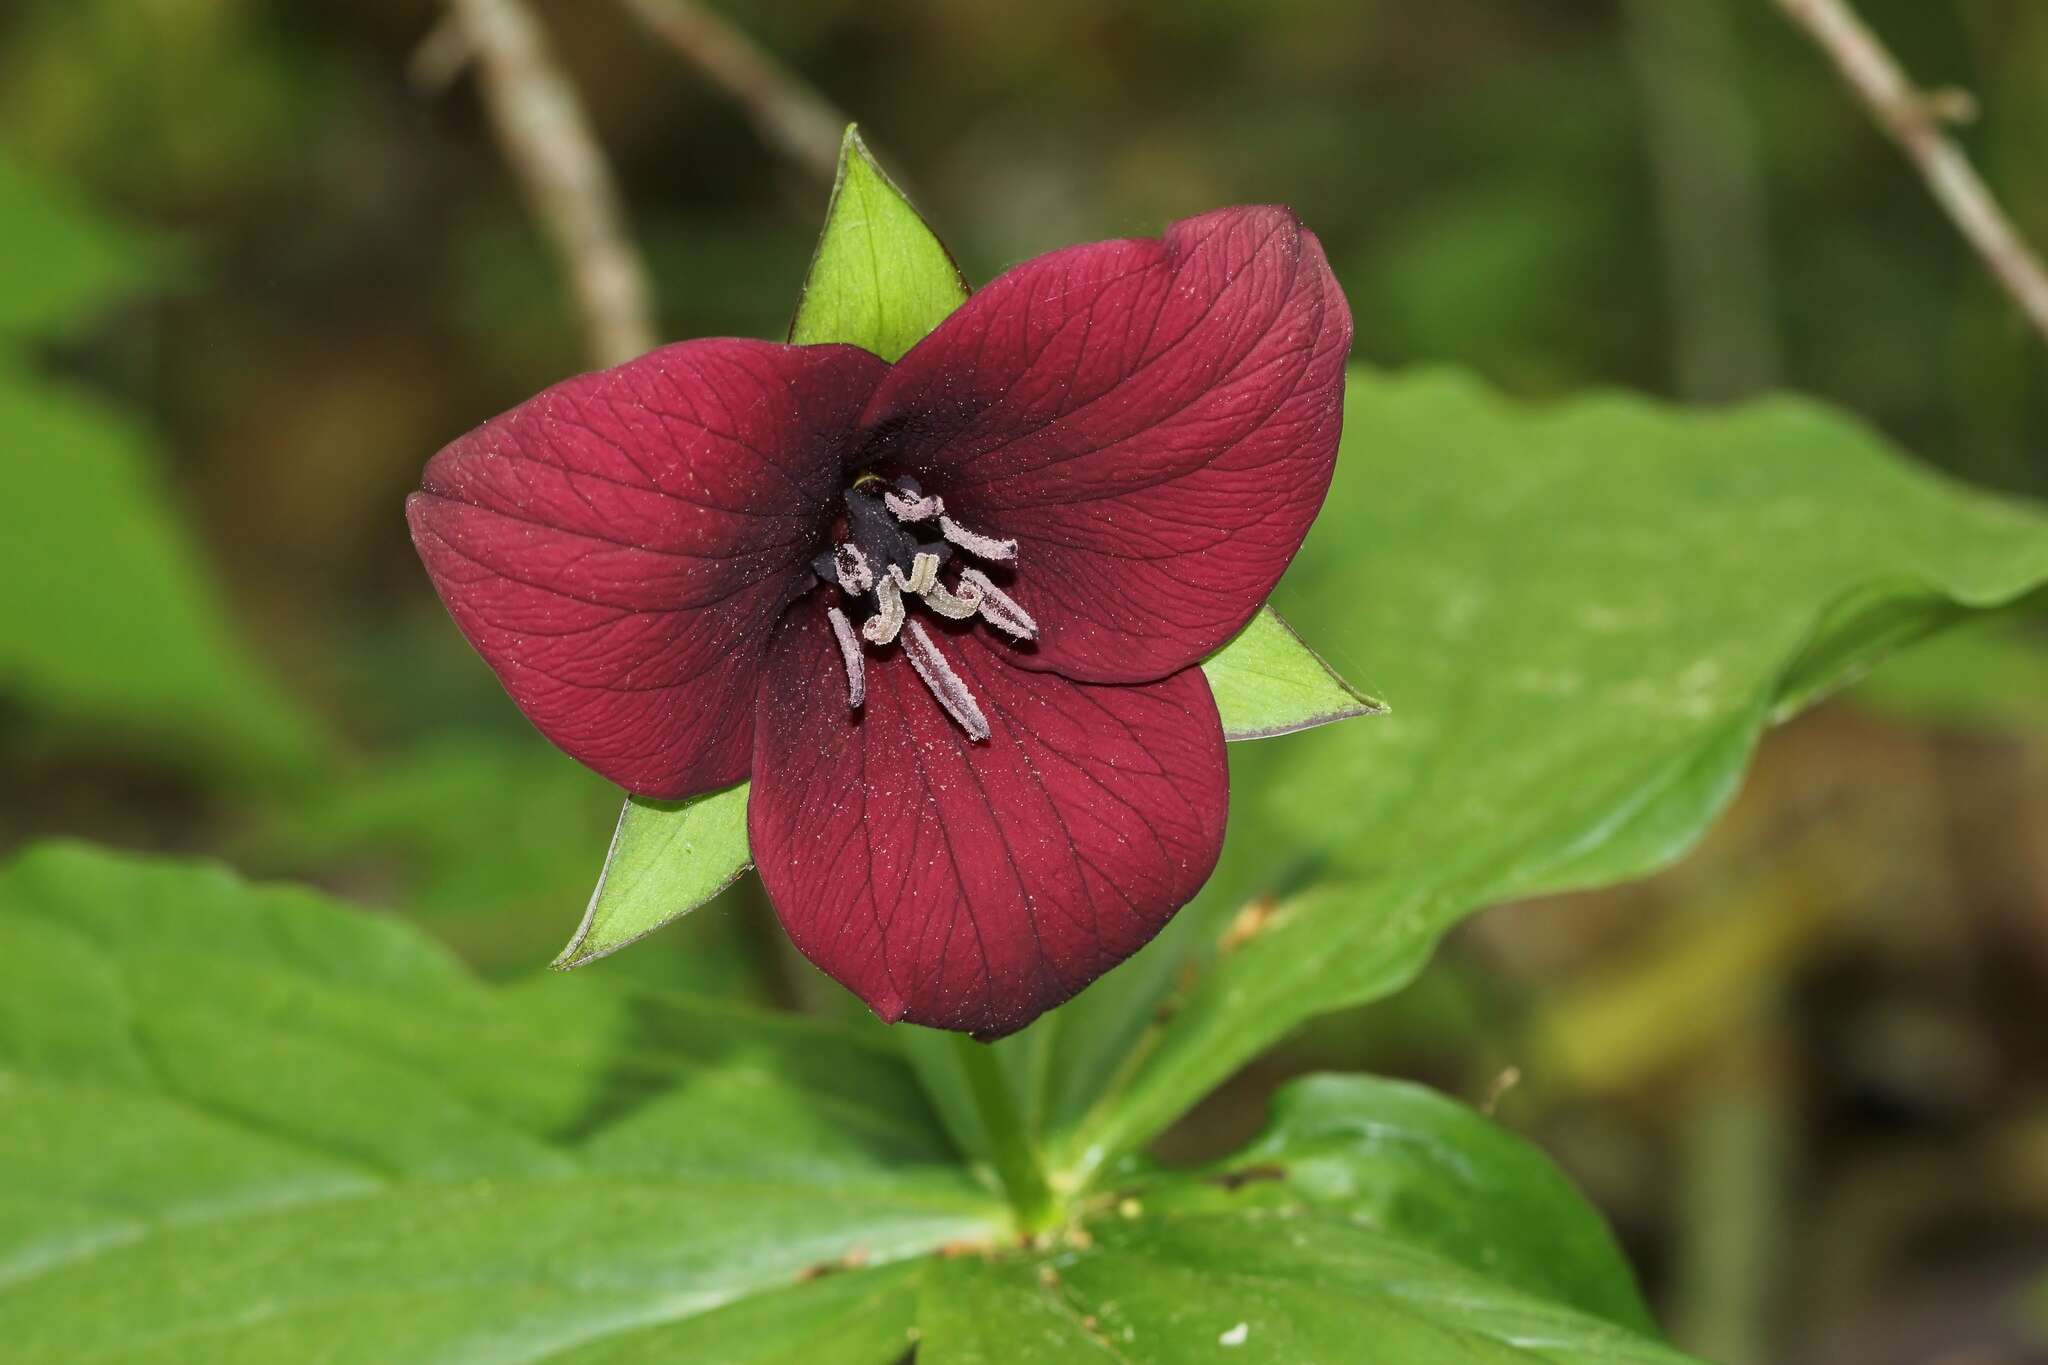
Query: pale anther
(976, 544)
(881, 628)
(883, 571)
(998, 608)
(954, 605)
(850, 655)
(944, 683)
(924, 573)
(907, 508)
(855, 575)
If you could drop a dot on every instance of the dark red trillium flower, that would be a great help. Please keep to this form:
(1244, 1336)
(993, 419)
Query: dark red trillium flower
(946, 614)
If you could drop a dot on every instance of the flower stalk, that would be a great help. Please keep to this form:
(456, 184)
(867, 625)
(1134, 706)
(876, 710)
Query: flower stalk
(1011, 1149)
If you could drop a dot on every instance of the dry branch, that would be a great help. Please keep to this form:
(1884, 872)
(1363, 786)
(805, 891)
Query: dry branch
(541, 125)
(787, 113)
(1913, 120)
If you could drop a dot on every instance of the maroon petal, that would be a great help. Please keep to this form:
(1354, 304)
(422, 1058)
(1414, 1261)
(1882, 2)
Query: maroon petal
(619, 548)
(973, 886)
(1155, 422)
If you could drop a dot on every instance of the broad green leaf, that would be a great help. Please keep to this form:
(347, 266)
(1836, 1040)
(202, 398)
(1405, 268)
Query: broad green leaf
(849, 1316)
(1371, 1222)
(63, 264)
(1272, 1289)
(1413, 1164)
(243, 1124)
(881, 279)
(1583, 616)
(110, 631)
(666, 858)
(1267, 683)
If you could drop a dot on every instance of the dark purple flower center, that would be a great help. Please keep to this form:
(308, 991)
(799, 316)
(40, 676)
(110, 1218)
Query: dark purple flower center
(887, 563)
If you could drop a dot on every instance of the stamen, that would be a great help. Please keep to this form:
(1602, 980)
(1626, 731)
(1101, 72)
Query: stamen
(881, 628)
(923, 575)
(883, 566)
(849, 653)
(909, 507)
(998, 608)
(976, 544)
(944, 683)
(954, 606)
(855, 574)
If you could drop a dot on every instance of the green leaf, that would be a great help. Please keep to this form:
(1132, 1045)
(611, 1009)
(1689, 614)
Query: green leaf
(1267, 682)
(109, 626)
(881, 279)
(1415, 1165)
(666, 859)
(1264, 1290)
(1584, 617)
(847, 1317)
(63, 264)
(244, 1124)
(1372, 1221)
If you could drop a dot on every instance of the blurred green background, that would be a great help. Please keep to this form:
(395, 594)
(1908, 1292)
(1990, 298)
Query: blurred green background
(258, 269)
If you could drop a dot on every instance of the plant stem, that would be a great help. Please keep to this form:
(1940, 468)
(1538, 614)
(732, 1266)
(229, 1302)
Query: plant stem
(1010, 1146)
(789, 115)
(1911, 118)
(541, 125)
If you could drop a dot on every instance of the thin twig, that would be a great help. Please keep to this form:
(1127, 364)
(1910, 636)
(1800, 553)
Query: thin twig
(1913, 121)
(787, 113)
(545, 135)
(441, 56)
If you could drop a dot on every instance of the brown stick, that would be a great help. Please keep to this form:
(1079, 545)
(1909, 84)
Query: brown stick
(542, 128)
(787, 113)
(1907, 114)
(441, 56)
